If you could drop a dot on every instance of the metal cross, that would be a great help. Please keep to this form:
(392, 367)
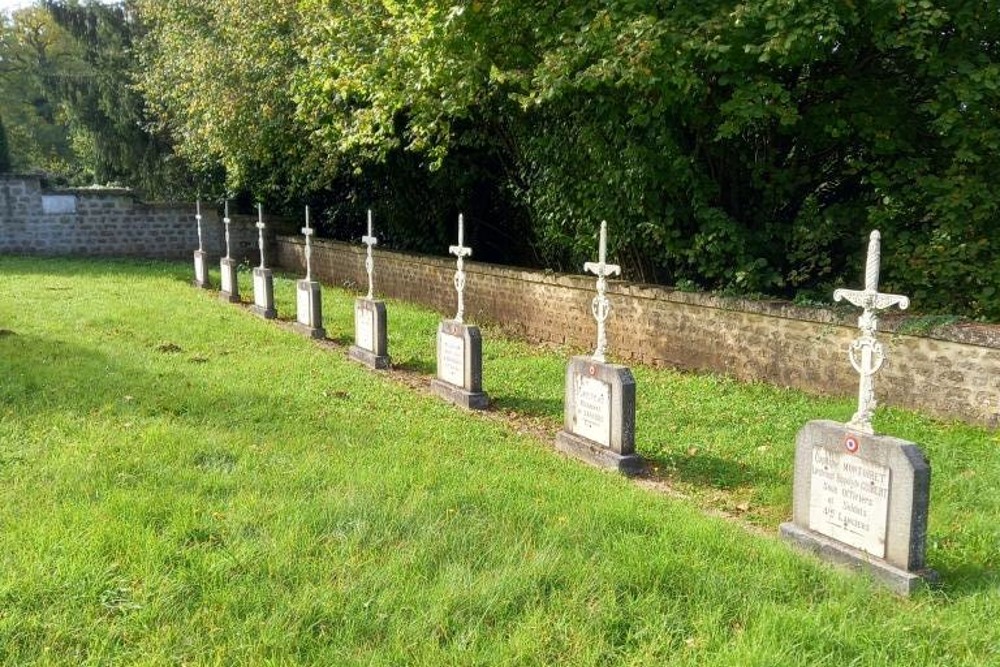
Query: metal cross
(370, 240)
(260, 233)
(866, 353)
(197, 217)
(226, 221)
(600, 306)
(308, 231)
(461, 252)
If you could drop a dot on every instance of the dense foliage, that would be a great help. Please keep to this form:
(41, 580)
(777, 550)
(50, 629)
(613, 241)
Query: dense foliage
(4, 151)
(737, 146)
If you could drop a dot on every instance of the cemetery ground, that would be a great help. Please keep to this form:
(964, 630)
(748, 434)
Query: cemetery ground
(185, 483)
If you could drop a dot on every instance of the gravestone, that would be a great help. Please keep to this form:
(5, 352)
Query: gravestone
(230, 288)
(860, 498)
(200, 256)
(263, 281)
(370, 339)
(599, 408)
(308, 295)
(460, 346)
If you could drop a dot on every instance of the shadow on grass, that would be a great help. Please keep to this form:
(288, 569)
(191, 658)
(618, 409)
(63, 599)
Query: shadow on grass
(535, 407)
(711, 471)
(966, 579)
(413, 365)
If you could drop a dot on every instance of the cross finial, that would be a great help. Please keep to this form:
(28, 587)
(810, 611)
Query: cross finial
(600, 306)
(460, 251)
(308, 231)
(197, 217)
(226, 221)
(260, 232)
(370, 240)
(866, 354)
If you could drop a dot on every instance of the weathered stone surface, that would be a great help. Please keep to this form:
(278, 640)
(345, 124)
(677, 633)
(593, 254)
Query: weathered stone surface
(599, 415)
(953, 371)
(460, 365)
(263, 294)
(201, 269)
(309, 309)
(230, 286)
(371, 340)
(862, 500)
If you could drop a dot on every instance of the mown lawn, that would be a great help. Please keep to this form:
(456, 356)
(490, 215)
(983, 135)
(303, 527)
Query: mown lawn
(184, 483)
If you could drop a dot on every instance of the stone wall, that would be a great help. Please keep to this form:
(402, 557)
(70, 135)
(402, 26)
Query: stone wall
(109, 222)
(949, 372)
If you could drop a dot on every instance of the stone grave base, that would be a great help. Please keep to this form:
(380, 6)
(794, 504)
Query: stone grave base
(263, 294)
(369, 358)
(459, 376)
(471, 400)
(309, 309)
(201, 270)
(898, 580)
(597, 454)
(230, 287)
(862, 499)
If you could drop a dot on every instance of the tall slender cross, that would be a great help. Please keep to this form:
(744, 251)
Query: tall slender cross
(308, 231)
(370, 240)
(260, 233)
(197, 217)
(461, 252)
(600, 306)
(226, 221)
(866, 353)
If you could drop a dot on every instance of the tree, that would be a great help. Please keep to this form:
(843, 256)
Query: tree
(4, 152)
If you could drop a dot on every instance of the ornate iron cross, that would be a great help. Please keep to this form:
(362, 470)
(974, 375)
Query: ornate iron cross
(461, 252)
(866, 353)
(600, 306)
(308, 231)
(370, 240)
(260, 233)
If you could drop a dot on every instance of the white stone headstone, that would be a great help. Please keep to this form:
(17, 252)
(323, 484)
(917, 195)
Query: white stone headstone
(364, 326)
(593, 409)
(259, 293)
(849, 500)
(451, 367)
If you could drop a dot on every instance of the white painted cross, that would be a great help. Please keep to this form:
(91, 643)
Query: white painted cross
(461, 252)
(866, 353)
(260, 233)
(370, 240)
(226, 221)
(600, 306)
(197, 217)
(308, 231)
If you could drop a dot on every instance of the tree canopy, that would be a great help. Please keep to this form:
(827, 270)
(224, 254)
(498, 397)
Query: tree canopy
(743, 146)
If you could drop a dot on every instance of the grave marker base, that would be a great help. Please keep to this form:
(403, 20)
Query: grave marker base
(599, 415)
(371, 313)
(309, 309)
(230, 286)
(862, 500)
(263, 294)
(903, 582)
(470, 400)
(462, 359)
(597, 454)
(201, 270)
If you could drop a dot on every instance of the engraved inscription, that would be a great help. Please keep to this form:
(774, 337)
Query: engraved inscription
(364, 327)
(259, 298)
(849, 500)
(451, 359)
(304, 307)
(199, 268)
(593, 409)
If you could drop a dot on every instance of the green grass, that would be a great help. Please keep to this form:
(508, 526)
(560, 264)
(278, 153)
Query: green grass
(184, 483)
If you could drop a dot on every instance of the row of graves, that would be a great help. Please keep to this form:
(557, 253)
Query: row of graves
(859, 498)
